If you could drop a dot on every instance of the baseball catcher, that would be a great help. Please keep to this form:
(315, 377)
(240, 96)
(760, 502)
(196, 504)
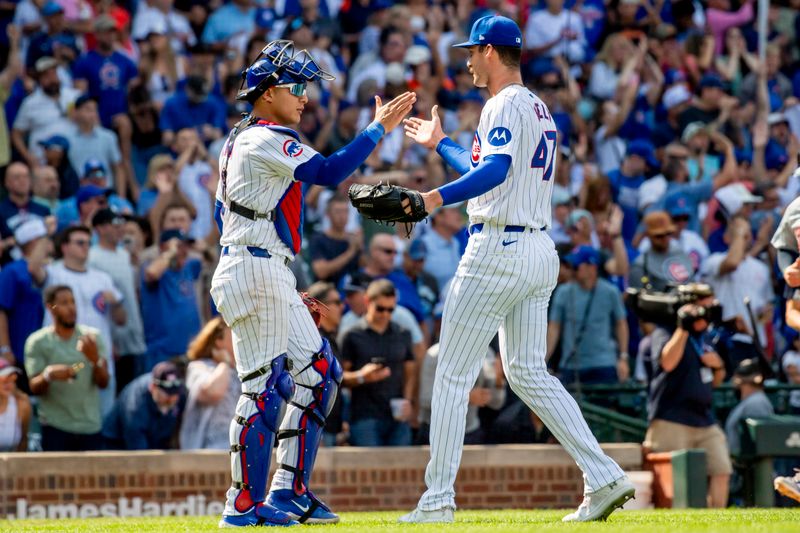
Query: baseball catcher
(280, 356)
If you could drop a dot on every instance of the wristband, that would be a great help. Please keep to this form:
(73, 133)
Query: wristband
(360, 379)
(375, 131)
(623, 356)
(101, 362)
(47, 375)
(5, 349)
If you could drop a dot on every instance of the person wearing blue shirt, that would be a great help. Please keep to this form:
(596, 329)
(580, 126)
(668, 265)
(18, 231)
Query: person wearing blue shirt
(192, 106)
(626, 181)
(43, 43)
(170, 311)
(18, 207)
(21, 305)
(104, 73)
(236, 17)
(146, 414)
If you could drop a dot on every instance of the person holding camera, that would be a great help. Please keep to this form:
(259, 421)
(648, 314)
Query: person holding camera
(381, 405)
(685, 369)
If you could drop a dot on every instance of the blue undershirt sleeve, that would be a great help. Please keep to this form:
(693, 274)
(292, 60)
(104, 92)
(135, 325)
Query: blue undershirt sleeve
(332, 170)
(454, 155)
(490, 173)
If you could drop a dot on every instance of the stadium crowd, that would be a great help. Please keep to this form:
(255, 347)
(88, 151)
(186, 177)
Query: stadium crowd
(677, 150)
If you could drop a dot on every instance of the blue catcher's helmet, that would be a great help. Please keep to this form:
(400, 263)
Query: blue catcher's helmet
(278, 63)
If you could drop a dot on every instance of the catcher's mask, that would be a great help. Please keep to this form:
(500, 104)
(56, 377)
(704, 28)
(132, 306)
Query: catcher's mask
(279, 63)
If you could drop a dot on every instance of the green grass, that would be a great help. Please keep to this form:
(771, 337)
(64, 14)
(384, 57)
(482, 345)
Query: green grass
(722, 521)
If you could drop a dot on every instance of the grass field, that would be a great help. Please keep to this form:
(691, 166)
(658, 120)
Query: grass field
(725, 521)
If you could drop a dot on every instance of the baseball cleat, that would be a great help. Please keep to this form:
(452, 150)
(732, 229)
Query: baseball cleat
(789, 486)
(601, 503)
(306, 509)
(260, 515)
(418, 516)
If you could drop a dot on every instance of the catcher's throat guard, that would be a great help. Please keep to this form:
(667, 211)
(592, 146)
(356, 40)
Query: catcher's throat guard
(279, 63)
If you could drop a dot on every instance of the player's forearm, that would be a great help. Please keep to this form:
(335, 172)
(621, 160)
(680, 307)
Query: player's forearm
(334, 169)
(490, 173)
(454, 155)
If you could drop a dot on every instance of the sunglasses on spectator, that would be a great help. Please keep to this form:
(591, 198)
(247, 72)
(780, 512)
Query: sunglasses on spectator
(390, 251)
(681, 218)
(334, 302)
(382, 309)
(296, 89)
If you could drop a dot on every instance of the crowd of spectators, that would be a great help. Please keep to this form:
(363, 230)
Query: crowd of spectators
(677, 147)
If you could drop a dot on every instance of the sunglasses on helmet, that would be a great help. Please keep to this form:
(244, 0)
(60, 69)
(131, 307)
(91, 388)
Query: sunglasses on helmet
(296, 89)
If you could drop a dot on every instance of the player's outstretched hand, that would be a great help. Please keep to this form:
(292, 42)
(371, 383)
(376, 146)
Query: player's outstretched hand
(390, 115)
(428, 133)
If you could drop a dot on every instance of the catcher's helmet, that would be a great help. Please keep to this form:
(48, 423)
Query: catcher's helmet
(278, 63)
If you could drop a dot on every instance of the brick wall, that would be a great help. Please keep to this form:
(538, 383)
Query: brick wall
(349, 479)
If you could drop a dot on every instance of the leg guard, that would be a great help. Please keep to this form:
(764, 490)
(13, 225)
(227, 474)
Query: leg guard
(314, 402)
(253, 432)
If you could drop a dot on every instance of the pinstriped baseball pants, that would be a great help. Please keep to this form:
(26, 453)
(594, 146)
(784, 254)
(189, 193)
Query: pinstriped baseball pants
(257, 298)
(503, 282)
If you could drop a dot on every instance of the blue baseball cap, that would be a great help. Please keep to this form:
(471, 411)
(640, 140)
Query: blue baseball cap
(88, 192)
(645, 150)
(417, 250)
(711, 80)
(494, 30)
(583, 255)
(677, 205)
(93, 167)
(51, 8)
(265, 18)
(56, 141)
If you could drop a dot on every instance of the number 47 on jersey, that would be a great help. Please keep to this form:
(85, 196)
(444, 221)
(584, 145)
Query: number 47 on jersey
(544, 156)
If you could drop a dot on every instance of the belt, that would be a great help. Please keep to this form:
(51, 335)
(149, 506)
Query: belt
(248, 213)
(256, 252)
(477, 228)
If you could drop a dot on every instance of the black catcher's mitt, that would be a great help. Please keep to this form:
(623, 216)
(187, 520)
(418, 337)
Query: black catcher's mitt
(388, 203)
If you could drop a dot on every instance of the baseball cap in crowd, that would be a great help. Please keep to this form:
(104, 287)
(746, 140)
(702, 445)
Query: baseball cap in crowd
(265, 18)
(106, 216)
(6, 369)
(776, 159)
(748, 371)
(658, 223)
(675, 96)
(743, 155)
(56, 141)
(417, 250)
(578, 214)
(168, 234)
(560, 197)
(30, 230)
(645, 150)
(495, 30)
(395, 73)
(732, 197)
(583, 255)
(472, 95)
(673, 76)
(711, 80)
(51, 8)
(651, 191)
(166, 377)
(44, 64)
(677, 205)
(776, 118)
(417, 55)
(87, 192)
(94, 168)
(692, 129)
(356, 282)
(82, 100)
(105, 23)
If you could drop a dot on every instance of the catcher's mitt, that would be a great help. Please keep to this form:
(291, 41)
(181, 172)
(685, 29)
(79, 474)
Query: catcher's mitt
(388, 203)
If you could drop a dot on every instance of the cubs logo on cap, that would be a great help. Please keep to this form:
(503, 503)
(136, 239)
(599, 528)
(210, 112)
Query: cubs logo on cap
(495, 30)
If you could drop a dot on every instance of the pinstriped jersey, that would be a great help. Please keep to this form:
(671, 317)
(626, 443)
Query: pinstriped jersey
(517, 123)
(260, 173)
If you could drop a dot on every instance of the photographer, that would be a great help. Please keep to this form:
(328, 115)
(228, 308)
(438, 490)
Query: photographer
(685, 369)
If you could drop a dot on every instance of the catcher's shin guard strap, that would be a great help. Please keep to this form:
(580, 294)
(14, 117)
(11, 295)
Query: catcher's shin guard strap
(253, 434)
(312, 419)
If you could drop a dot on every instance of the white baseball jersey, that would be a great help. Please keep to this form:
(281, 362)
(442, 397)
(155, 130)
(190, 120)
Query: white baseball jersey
(517, 123)
(259, 173)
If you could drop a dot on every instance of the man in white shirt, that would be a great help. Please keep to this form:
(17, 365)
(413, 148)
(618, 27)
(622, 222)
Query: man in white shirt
(444, 250)
(194, 173)
(158, 16)
(97, 299)
(556, 31)
(735, 275)
(43, 113)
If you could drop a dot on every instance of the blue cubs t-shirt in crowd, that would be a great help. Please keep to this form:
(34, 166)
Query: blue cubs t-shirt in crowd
(108, 78)
(625, 190)
(22, 302)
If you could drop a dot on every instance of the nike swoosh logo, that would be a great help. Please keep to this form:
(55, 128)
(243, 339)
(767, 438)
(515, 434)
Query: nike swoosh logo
(304, 509)
(506, 243)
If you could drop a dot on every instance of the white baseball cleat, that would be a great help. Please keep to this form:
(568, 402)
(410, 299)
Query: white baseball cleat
(601, 503)
(418, 516)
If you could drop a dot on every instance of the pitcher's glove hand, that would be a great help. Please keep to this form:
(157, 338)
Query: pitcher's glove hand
(388, 203)
(315, 307)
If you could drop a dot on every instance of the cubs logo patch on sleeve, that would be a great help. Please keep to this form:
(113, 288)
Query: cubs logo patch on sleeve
(292, 148)
(499, 136)
(475, 156)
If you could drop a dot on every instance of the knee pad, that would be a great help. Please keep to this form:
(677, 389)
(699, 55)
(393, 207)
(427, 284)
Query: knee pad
(312, 418)
(253, 433)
